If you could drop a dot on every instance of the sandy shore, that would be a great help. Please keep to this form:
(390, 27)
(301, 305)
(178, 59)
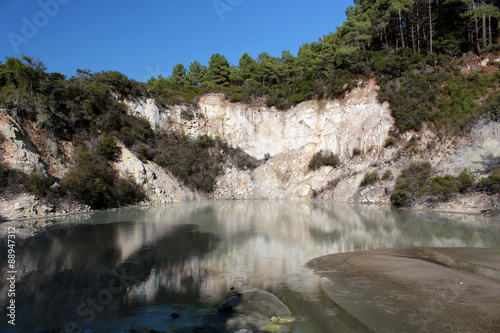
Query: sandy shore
(416, 289)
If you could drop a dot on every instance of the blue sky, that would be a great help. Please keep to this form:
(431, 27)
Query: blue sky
(146, 38)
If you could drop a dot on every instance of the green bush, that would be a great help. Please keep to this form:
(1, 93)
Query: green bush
(10, 176)
(466, 181)
(197, 162)
(415, 181)
(107, 148)
(96, 184)
(413, 96)
(387, 175)
(458, 102)
(491, 107)
(412, 183)
(322, 158)
(400, 198)
(38, 183)
(134, 130)
(491, 184)
(356, 152)
(443, 186)
(369, 179)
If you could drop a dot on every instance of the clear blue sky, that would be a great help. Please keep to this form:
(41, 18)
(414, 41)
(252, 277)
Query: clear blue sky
(143, 38)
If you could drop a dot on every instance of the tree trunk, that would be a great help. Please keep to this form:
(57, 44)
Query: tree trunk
(477, 27)
(489, 30)
(413, 38)
(418, 30)
(413, 33)
(401, 29)
(430, 24)
(485, 41)
(387, 39)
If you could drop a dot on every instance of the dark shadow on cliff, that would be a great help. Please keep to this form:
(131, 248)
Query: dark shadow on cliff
(490, 163)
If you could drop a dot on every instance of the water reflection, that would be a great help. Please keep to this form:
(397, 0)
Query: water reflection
(193, 253)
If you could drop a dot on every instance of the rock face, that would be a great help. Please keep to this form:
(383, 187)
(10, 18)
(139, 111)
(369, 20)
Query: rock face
(356, 128)
(288, 140)
(159, 185)
(357, 121)
(18, 150)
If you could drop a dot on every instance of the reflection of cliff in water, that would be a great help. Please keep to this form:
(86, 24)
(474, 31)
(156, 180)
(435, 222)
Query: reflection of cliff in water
(63, 267)
(184, 253)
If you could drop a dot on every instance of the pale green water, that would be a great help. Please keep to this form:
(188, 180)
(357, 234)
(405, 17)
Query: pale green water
(106, 271)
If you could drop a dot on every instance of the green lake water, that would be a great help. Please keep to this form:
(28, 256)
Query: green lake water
(108, 271)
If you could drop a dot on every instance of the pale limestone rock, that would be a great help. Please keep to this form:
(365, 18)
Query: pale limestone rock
(356, 121)
(159, 186)
(19, 153)
(291, 138)
(478, 152)
(147, 108)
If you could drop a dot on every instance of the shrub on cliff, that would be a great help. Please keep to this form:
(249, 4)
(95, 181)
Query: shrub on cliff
(107, 148)
(443, 186)
(9, 176)
(369, 178)
(415, 181)
(466, 181)
(322, 158)
(412, 183)
(491, 184)
(197, 162)
(38, 183)
(96, 183)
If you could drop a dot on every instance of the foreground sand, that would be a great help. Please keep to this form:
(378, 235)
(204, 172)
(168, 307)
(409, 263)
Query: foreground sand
(416, 289)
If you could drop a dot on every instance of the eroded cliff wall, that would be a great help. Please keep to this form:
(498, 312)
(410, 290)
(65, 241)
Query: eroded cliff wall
(286, 141)
(356, 121)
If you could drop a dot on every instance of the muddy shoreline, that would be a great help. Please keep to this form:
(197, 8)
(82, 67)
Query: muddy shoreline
(416, 289)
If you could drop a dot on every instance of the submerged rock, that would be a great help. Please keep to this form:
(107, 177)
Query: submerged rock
(259, 302)
(249, 311)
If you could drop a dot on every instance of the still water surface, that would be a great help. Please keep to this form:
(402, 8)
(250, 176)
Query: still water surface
(107, 271)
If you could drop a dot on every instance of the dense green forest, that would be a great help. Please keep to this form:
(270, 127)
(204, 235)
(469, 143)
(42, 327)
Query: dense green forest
(414, 49)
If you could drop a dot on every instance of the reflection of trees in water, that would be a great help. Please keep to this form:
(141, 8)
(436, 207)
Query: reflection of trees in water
(432, 229)
(183, 252)
(66, 266)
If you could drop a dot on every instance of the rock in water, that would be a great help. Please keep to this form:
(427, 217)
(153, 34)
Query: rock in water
(225, 307)
(258, 301)
(249, 311)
